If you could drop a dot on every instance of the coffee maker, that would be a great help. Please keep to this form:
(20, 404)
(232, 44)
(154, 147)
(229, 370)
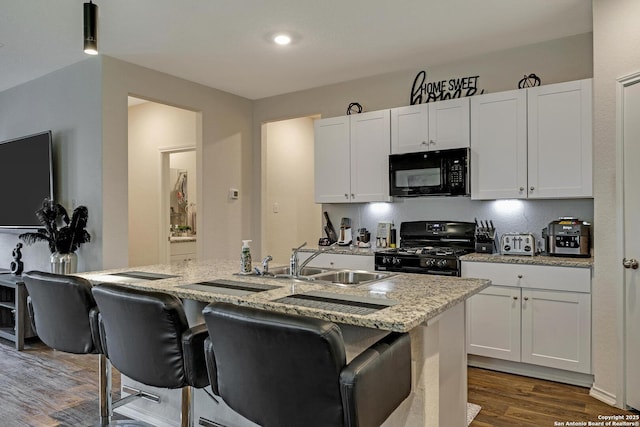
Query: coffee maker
(345, 235)
(383, 235)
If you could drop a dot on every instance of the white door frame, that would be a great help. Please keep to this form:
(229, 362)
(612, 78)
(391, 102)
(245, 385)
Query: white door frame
(164, 249)
(620, 272)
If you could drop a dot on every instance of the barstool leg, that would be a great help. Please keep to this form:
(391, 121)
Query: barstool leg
(186, 413)
(104, 392)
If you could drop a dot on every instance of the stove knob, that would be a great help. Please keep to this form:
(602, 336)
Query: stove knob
(395, 261)
(386, 260)
(442, 263)
(430, 262)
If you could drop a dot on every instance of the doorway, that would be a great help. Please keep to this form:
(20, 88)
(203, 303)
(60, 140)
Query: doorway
(628, 158)
(290, 215)
(178, 204)
(155, 131)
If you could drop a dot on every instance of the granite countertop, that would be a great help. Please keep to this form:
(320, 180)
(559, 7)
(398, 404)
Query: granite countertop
(178, 239)
(533, 260)
(418, 298)
(478, 257)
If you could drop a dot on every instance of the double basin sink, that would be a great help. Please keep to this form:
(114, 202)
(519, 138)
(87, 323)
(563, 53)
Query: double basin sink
(342, 277)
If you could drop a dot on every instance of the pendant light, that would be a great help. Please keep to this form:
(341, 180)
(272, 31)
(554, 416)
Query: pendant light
(91, 28)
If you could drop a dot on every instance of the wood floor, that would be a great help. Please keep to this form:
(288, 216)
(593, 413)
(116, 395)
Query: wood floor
(40, 387)
(512, 400)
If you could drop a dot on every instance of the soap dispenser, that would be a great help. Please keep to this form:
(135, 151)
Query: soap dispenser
(245, 257)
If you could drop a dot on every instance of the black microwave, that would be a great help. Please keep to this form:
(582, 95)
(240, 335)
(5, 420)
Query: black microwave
(430, 173)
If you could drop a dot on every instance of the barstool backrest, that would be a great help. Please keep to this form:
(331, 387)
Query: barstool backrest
(277, 369)
(142, 334)
(61, 307)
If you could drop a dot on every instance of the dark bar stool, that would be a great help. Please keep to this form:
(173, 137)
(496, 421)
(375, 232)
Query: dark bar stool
(64, 315)
(146, 337)
(281, 370)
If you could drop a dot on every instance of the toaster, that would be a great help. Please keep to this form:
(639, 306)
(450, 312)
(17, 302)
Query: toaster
(517, 244)
(568, 236)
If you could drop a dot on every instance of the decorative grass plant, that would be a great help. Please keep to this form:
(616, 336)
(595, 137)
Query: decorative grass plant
(63, 234)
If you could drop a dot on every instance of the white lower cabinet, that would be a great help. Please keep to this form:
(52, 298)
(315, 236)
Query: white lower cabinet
(533, 314)
(353, 262)
(556, 329)
(493, 323)
(183, 251)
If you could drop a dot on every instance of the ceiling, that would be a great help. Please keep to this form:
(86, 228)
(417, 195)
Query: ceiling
(226, 44)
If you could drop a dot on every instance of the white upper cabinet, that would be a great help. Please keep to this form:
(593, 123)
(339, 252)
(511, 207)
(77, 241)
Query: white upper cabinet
(370, 148)
(499, 145)
(332, 160)
(352, 158)
(533, 143)
(433, 126)
(410, 129)
(560, 140)
(449, 124)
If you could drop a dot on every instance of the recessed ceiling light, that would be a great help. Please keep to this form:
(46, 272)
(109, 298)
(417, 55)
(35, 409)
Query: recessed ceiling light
(282, 39)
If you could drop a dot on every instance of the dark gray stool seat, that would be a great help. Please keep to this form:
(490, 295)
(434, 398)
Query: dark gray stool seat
(65, 316)
(281, 370)
(146, 336)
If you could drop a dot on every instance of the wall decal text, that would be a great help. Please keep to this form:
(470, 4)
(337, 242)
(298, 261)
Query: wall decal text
(423, 91)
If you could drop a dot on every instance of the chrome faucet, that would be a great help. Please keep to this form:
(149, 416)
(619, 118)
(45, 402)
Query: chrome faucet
(265, 264)
(293, 261)
(294, 265)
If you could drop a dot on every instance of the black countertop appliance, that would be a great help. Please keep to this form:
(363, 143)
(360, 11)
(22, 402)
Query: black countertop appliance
(568, 236)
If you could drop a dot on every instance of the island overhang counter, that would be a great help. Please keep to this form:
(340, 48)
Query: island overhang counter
(430, 308)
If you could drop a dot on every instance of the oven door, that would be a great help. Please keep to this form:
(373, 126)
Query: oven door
(436, 173)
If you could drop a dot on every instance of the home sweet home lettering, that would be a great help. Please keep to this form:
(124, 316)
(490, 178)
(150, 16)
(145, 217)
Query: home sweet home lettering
(423, 91)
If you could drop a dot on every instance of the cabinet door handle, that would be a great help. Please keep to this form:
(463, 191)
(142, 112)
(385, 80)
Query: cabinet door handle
(526, 298)
(346, 196)
(432, 142)
(424, 143)
(521, 188)
(519, 276)
(353, 196)
(515, 298)
(532, 188)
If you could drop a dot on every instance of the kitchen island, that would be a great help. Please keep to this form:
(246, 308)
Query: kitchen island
(430, 308)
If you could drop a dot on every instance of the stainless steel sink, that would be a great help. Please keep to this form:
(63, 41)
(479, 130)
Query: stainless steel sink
(305, 272)
(350, 277)
(342, 277)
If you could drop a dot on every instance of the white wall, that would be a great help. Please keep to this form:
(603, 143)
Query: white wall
(290, 214)
(224, 157)
(69, 103)
(616, 37)
(152, 126)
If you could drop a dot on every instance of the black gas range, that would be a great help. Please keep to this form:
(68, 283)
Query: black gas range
(429, 247)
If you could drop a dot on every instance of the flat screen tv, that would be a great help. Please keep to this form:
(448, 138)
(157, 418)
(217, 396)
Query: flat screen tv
(26, 179)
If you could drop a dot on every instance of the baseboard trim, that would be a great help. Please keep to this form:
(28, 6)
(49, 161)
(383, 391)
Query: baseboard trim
(535, 371)
(603, 396)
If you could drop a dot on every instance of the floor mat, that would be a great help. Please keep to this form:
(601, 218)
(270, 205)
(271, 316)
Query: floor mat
(472, 411)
